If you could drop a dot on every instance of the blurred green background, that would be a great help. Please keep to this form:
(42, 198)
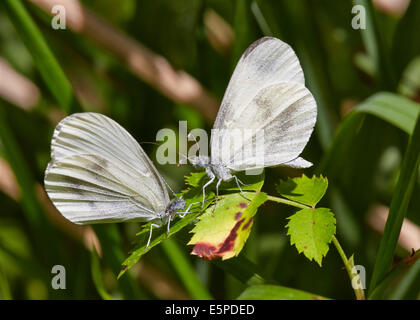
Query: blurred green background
(99, 63)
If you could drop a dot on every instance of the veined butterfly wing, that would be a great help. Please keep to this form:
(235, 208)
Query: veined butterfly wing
(99, 173)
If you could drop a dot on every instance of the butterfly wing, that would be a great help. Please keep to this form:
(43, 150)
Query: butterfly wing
(99, 173)
(266, 61)
(266, 95)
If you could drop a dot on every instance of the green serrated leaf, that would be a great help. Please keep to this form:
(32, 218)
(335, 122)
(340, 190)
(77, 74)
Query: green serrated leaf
(195, 179)
(160, 234)
(311, 230)
(304, 190)
(222, 233)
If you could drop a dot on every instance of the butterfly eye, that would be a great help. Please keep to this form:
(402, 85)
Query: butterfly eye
(171, 213)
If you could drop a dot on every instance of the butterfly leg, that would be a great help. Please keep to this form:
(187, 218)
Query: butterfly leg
(169, 223)
(217, 193)
(182, 214)
(244, 184)
(150, 235)
(189, 207)
(239, 187)
(204, 189)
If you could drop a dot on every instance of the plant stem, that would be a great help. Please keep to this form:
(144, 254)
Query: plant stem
(288, 202)
(360, 294)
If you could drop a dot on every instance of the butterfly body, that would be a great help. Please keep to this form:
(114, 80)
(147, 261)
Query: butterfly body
(213, 170)
(221, 171)
(175, 205)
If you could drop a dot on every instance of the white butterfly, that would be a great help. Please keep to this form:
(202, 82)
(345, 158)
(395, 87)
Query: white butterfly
(266, 94)
(98, 173)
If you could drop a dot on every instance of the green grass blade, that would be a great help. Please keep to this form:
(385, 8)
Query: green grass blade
(261, 19)
(40, 228)
(406, 43)
(392, 108)
(37, 270)
(398, 208)
(5, 292)
(409, 285)
(185, 271)
(95, 270)
(242, 269)
(398, 273)
(24, 176)
(270, 292)
(113, 255)
(244, 34)
(44, 60)
(374, 43)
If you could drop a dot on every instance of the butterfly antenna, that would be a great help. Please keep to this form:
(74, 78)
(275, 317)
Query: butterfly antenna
(196, 142)
(149, 142)
(180, 161)
(169, 187)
